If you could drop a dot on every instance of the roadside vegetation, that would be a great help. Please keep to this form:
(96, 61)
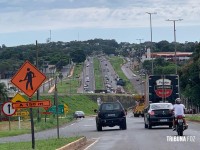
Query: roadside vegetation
(98, 75)
(47, 144)
(74, 103)
(193, 117)
(117, 62)
(71, 84)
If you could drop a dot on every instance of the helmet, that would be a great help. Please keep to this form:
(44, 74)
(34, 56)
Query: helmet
(178, 101)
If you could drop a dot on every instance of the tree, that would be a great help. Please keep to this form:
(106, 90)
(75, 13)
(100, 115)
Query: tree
(78, 56)
(3, 92)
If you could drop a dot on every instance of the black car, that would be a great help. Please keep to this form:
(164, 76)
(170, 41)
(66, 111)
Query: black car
(111, 114)
(157, 114)
(121, 82)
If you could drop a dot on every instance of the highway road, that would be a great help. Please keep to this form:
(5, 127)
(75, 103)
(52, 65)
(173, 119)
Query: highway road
(136, 137)
(136, 80)
(88, 79)
(109, 75)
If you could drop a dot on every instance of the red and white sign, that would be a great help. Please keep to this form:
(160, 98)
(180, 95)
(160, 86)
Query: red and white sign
(163, 88)
(7, 109)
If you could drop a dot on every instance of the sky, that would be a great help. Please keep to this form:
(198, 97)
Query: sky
(25, 21)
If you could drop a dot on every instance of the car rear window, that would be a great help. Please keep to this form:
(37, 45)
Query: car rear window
(111, 106)
(161, 106)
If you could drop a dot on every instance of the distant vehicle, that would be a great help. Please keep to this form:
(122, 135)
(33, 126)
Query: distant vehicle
(111, 114)
(134, 75)
(118, 90)
(120, 82)
(87, 79)
(88, 65)
(157, 114)
(79, 114)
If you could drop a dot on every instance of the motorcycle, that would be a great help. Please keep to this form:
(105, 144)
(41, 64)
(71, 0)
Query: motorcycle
(180, 126)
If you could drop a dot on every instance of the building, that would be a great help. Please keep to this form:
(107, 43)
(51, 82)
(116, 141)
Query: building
(180, 56)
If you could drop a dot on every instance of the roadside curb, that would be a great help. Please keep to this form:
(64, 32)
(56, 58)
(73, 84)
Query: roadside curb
(74, 145)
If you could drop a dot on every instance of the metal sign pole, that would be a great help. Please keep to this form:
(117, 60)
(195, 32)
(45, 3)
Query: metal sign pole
(56, 101)
(32, 126)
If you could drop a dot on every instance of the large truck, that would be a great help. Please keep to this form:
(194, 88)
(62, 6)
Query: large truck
(162, 88)
(138, 109)
(159, 88)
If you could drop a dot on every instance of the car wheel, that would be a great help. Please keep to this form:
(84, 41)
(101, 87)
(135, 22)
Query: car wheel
(149, 126)
(99, 127)
(142, 115)
(145, 125)
(123, 126)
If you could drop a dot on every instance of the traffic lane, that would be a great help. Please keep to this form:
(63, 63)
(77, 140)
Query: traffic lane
(91, 75)
(135, 137)
(127, 71)
(138, 138)
(138, 85)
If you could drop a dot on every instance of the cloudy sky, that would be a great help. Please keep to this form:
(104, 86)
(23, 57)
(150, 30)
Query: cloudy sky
(25, 21)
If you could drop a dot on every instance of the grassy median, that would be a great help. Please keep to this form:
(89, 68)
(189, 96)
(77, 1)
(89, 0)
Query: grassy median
(48, 144)
(117, 62)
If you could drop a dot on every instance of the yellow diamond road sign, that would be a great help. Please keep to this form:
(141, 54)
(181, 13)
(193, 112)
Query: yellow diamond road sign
(18, 98)
(66, 108)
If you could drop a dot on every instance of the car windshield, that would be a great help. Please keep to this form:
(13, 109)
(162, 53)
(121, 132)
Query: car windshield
(79, 112)
(161, 106)
(111, 106)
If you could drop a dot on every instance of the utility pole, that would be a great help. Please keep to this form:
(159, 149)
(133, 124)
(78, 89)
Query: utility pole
(151, 48)
(174, 21)
(38, 91)
(140, 49)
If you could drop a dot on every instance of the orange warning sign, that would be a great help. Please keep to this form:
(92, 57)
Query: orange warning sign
(28, 78)
(32, 104)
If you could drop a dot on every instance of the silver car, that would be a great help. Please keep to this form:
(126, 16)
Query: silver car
(79, 114)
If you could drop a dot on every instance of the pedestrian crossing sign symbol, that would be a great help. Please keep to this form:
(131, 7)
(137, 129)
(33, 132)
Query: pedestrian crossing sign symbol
(28, 78)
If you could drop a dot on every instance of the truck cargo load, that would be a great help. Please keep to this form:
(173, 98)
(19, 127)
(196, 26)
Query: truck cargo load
(162, 88)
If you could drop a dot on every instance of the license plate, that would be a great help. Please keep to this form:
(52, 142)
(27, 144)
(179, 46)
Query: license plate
(163, 120)
(111, 115)
(180, 120)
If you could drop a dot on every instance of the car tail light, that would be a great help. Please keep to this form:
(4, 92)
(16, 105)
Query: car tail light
(151, 113)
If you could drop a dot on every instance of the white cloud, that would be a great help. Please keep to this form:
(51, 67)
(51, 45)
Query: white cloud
(130, 13)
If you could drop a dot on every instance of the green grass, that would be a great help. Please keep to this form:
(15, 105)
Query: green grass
(14, 132)
(98, 75)
(49, 144)
(193, 117)
(117, 62)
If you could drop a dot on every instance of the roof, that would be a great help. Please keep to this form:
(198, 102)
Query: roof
(172, 54)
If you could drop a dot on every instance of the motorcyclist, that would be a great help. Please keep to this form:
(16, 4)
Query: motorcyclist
(179, 110)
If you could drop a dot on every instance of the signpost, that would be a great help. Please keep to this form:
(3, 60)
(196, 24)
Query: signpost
(28, 79)
(32, 104)
(7, 109)
(53, 109)
(66, 108)
(21, 113)
(18, 98)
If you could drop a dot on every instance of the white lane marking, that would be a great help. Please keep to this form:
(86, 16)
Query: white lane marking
(96, 140)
